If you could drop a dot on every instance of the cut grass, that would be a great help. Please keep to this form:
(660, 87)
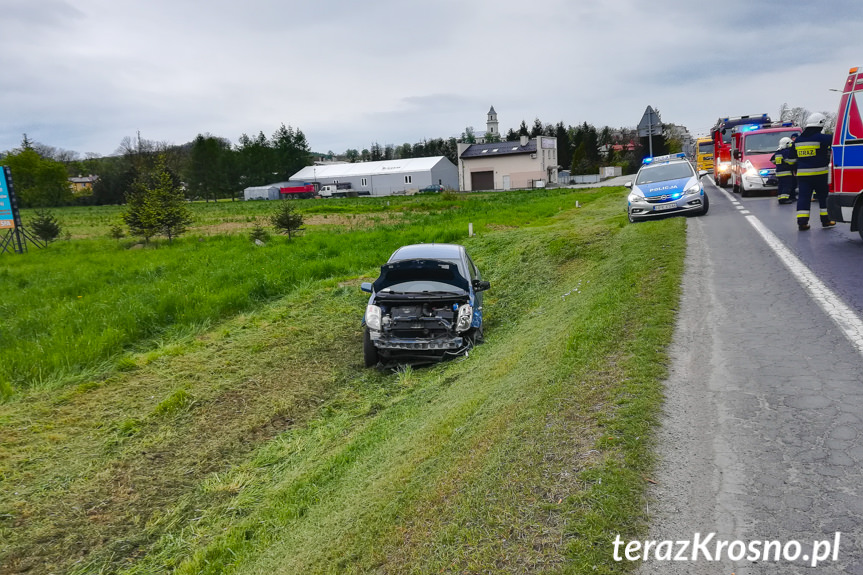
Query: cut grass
(73, 311)
(261, 445)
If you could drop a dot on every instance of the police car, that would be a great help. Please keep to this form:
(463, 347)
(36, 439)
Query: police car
(663, 185)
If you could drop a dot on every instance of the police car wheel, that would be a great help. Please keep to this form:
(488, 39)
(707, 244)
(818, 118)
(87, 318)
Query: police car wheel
(706, 206)
(629, 217)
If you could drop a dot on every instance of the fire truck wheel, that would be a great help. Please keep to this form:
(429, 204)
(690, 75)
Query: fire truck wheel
(860, 222)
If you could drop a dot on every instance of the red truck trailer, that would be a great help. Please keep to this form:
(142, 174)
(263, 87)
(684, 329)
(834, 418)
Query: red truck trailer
(304, 191)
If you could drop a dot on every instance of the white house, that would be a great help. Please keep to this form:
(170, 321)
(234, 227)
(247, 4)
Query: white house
(386, 177)
(508, 165)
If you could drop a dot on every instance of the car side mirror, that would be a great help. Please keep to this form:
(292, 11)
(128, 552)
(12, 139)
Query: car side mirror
(737, 154)
(702, 173)
(366, 287)
(628, 185)
(480, 285)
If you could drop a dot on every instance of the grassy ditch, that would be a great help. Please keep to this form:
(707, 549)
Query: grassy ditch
(262, 446)
(73, 311)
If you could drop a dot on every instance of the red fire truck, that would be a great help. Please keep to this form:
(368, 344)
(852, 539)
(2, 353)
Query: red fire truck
(752, 145)
(721, 134)
(845, 203)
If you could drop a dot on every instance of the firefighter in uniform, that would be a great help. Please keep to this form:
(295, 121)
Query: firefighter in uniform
(812, 152)
(785, 165)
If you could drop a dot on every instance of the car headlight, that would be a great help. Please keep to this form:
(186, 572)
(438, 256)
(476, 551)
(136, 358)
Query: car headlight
(724, 166)
(693, 189)
(465, 315)
(373, 317)
(635, 197)
(750, 169)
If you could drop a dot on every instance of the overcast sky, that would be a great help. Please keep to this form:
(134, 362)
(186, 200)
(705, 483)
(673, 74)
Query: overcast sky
(83, 74)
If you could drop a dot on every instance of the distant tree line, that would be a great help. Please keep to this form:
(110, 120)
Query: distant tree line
(581, 148)
(207, 168)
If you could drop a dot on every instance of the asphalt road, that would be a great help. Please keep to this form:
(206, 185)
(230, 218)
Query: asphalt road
(762, 438)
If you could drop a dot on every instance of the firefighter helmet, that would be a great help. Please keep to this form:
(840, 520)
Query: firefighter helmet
(816, 120)
(784, 143)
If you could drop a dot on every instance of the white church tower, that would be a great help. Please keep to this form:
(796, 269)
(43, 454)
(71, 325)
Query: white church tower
(491, 125)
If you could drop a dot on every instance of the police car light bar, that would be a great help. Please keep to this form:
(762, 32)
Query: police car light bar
(662, 158)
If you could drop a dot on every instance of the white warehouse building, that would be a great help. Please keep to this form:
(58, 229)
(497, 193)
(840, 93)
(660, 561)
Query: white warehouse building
(386, 177)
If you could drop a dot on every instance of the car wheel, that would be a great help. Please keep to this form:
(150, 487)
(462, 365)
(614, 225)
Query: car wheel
(629, 217)
(706, 206)
(744, 192)
(860, 221)
(370, 352)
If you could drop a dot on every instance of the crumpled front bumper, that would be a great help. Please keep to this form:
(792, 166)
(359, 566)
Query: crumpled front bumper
(388, 343)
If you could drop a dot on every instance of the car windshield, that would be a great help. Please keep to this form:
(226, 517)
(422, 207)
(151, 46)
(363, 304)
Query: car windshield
(663, 172)
(705, 148)
(765, 143)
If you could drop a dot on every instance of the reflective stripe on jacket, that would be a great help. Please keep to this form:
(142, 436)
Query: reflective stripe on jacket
(812, 151)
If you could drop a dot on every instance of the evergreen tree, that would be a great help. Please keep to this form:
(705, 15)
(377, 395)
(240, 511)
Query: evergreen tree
(45, 226)
(522, 129)
(536, 129)
(157, 206)
(140, 215)
(377, 152)
(116, 232)
(286, 219)
(258, 233)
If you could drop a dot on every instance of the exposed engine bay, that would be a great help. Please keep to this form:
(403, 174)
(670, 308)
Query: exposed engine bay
(431, 328)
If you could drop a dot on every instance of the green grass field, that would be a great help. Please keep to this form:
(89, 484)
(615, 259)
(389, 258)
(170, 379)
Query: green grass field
(202, 407)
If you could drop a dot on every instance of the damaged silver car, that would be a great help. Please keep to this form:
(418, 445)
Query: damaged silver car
(425, 306)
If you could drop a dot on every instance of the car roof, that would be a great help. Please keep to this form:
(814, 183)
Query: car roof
(665, 163)
(428, 251)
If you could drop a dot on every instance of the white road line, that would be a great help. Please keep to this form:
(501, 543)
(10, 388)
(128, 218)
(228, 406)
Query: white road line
(827, 300)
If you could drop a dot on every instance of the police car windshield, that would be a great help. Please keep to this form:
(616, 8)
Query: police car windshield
(764, 143)
(663, 172)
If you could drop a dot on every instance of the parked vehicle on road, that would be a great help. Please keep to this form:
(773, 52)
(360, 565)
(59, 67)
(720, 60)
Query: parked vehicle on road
(704, 154)
(425, 306)
(666, 185)
(845, 202)
(751, 148)
(721, 134)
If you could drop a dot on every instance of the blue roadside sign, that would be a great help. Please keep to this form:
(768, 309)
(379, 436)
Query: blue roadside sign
(7, 220)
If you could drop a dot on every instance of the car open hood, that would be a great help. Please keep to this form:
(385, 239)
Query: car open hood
(423, 269)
